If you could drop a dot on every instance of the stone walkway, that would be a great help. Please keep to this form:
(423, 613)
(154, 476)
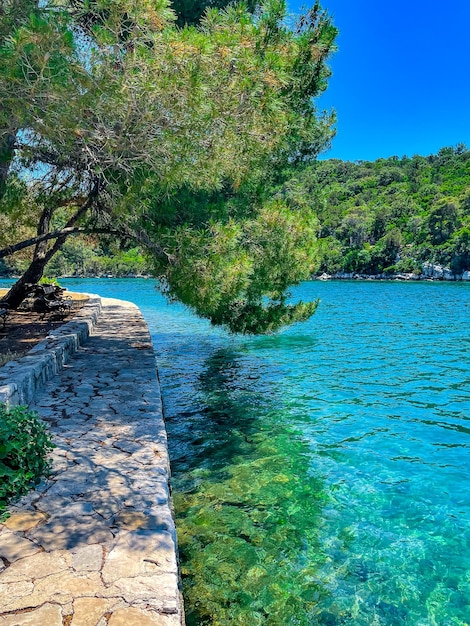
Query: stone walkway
(95, 544)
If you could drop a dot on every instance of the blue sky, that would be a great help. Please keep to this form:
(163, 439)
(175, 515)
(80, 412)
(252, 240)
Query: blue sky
(401, 76)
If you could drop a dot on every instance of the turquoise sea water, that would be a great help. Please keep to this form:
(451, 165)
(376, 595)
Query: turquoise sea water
(321, 476)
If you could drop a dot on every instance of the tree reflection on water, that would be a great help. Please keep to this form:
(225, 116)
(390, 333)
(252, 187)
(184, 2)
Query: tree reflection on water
(247, 510)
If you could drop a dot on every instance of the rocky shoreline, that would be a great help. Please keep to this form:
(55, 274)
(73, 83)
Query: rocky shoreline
(429, 272)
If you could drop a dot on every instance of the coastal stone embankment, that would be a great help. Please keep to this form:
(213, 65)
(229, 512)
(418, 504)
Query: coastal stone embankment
(95, 544)
(21, 380)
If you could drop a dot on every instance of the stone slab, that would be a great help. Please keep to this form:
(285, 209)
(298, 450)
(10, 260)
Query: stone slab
(95, 544)
(46, 615)
(20, 380)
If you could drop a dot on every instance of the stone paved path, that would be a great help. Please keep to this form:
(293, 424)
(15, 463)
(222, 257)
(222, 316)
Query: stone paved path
(95, 544)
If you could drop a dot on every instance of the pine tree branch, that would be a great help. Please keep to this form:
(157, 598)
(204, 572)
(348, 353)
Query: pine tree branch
(63, 232)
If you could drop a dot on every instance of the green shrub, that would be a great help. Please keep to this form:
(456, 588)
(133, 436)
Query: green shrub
(45, 280)
(24, 445)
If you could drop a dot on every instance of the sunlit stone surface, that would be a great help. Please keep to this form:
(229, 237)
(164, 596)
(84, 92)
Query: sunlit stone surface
(96, 543)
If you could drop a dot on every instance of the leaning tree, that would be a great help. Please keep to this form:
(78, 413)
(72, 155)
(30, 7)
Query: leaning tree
(117, 121)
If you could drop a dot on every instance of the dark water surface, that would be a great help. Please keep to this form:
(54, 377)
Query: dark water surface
(321, 476)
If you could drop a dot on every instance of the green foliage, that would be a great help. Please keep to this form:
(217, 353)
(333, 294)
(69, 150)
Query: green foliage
(91, 258)
(49, 281)
(236, 273)
(330, 255)
(171, 138)
(24, 445)
(442, 220)
(389, 215)
(190, 12)
(457, 250)
(7, 356)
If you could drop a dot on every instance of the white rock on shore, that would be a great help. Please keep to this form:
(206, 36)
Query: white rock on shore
(430, 271)
(355, 276)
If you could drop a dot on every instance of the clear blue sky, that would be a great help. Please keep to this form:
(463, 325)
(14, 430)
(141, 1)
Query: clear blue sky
(401, 76)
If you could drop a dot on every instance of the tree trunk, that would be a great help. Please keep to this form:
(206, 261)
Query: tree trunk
(7, 147)
(19, 291)
(42, 255)
(34, 273)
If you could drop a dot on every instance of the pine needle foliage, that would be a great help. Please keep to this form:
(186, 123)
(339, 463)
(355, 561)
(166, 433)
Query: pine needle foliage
(121, 121)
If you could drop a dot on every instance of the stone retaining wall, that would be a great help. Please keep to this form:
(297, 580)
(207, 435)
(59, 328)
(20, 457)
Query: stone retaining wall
(95, 544)
(20, 380)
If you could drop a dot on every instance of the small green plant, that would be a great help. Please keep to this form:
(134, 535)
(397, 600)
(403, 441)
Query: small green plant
(24, 445)
(9, 356)
(49, 281)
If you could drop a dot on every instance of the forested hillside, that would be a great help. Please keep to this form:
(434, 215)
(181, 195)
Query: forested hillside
(389, 215)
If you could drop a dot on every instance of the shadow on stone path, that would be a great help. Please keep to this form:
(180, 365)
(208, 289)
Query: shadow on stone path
(94, 545)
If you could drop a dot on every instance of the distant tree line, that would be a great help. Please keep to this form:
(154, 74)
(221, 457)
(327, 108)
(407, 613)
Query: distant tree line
(388, 215)
(384, 216)
(87, 257)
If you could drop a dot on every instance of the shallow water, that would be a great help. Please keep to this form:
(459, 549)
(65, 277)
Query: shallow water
(321, 476)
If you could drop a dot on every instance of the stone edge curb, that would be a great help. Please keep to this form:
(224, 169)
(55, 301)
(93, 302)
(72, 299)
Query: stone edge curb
(20, 380)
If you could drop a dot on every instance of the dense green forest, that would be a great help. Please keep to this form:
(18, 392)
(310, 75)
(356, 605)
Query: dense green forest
(385, 216)
(390, 215)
